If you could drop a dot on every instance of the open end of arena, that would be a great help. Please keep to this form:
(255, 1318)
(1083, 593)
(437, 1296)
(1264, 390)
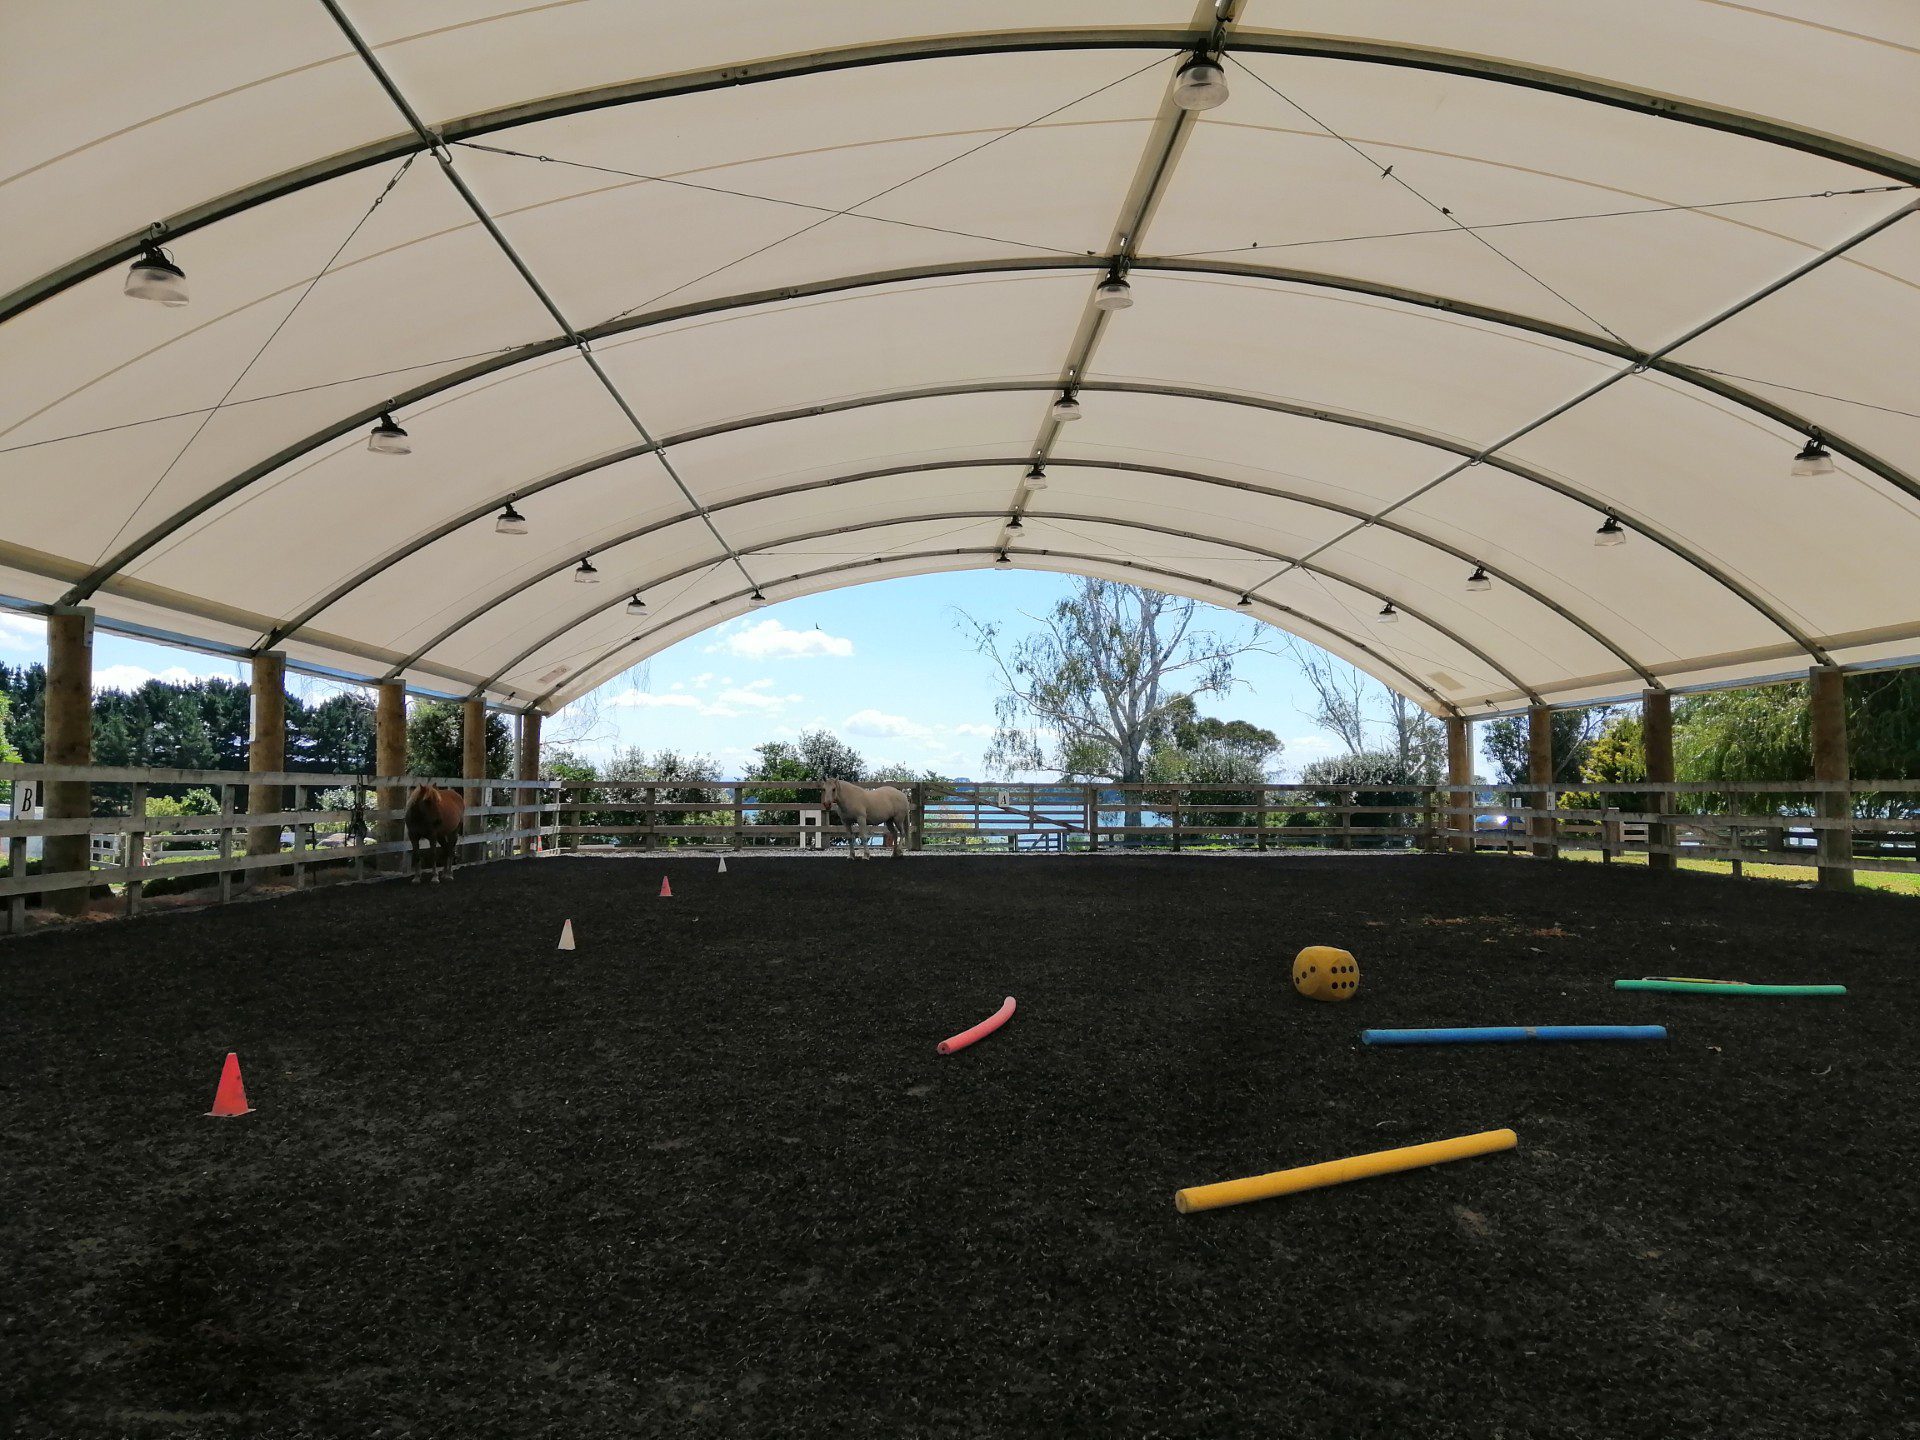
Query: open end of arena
(1526, 359)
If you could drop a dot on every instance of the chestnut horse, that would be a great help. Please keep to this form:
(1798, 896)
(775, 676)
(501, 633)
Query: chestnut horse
(435, 817)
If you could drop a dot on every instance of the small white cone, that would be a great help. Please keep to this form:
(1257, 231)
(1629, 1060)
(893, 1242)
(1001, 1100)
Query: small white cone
(566, 935)
(723, 864)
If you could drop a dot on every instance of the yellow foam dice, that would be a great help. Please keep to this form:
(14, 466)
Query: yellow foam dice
(1321, 972)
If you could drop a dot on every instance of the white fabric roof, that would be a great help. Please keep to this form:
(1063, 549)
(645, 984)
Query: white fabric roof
(780, 296)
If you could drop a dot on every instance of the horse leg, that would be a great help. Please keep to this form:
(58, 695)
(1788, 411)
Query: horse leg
(413, 857)
(899, 831)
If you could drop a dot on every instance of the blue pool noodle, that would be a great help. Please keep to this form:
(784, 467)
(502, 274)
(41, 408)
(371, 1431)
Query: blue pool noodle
(1508, 1034)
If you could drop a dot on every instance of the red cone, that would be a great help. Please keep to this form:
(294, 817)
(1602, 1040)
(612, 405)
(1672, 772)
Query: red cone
(666, 890)
(231, 1097)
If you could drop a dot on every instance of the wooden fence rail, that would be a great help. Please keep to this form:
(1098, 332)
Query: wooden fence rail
(509, 816)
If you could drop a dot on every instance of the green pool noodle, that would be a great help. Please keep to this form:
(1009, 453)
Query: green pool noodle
(1726, 987)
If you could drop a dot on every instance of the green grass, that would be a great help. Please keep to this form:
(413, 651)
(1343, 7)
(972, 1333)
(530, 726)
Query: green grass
(1892, 883)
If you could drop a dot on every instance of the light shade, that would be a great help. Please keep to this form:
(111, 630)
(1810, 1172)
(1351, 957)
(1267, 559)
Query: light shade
(1066, 408)
(154, 277)
(1200, 85)
(1813, 458)
(585, 574)
(509, 521)
(1479, 579)
(387, 438)
(1036, 478)
(1246, 602)
(756, 598)
(1113, 293)
(1014, 523)
(636, 606)
(1002, 559)
(1388, 615)
(1610, 533)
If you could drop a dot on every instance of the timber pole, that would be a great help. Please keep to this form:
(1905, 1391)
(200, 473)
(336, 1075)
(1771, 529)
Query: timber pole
(267, 747)
(69, 741)
(1656, 741)
(1830, 764)
(1540, 774)
(473, 763)
(1460, 777)
(527, 767)
(390, 758)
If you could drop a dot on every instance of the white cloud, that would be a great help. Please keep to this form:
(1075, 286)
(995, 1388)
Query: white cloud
(22, 632)
(880, 725)
(736, 700)
(132, 677)
(969, 728)
(770, 640)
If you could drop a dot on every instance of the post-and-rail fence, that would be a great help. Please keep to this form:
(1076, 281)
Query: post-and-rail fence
(1840, 826)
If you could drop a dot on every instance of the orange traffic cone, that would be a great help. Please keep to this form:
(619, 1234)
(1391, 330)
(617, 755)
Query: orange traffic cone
(231, 1097)
(566, 935)
(666, 890)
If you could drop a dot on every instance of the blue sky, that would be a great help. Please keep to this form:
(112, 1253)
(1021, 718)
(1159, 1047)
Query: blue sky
(884, 666)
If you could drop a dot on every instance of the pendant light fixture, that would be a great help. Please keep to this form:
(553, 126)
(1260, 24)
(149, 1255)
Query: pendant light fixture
(1200, 85)
(1113, 293)
(387, 438)
(1036, 478)
(1813, 459)
(154, 276)
(1246, 602)
(756, 598)
(636, 606)
(585, 574)
(1479, 579)
(1003, 560)
(1388, 615)
(509, 521)
(1013, 523)
(1066, 408)
(1610, 533)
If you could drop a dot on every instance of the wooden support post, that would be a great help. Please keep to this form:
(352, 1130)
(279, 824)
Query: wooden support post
(1174, 815)
(917, 830)
(1260, 840)
(1460, 777)
(267, 750)
(738, 839)
(68, 741)
(1656, 741)
(390, 760)
(1829, 715)
(136, 843)
(473, 766)
(302, 834)
(526, 766)
(1540, 774)
(226, 843)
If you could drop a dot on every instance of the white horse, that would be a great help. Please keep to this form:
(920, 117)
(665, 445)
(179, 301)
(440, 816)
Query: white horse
(883, 806)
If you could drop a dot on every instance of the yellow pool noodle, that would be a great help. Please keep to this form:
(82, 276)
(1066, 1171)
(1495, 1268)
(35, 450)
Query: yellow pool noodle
(1338, 1172)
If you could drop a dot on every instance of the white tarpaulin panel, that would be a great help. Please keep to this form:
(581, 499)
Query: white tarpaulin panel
(781, 302)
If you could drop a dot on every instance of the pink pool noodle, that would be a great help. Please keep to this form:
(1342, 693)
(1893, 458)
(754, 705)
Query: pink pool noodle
(979, 1032)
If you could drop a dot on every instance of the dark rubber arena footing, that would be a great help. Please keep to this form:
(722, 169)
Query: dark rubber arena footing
(706, 1176)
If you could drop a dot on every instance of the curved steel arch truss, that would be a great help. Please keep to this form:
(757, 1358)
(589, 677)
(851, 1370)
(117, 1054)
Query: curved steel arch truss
(130, 554)
(421, 651)
(1440, 703)
(1591, 89)
(1255, 551)
(1726, 580)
